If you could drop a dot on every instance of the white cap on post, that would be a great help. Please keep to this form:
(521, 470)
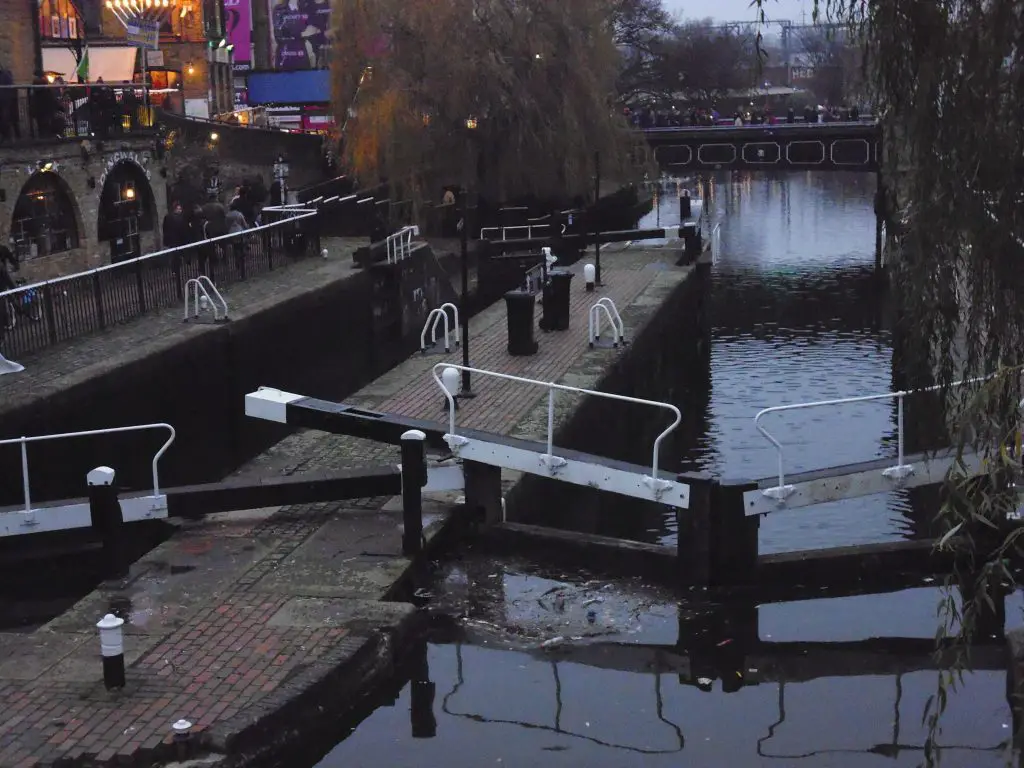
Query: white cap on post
(450, 381)
(101, 476)
(111, 636)
(414, 434)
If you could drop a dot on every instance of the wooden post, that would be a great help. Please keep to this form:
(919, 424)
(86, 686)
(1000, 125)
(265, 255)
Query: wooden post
(414, 477)
(483, 490)
(693, 540)
(733, 535)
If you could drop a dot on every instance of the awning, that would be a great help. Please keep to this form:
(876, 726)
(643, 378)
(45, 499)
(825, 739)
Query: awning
(114, 63)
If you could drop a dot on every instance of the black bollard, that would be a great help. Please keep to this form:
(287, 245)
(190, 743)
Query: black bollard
(107, 520)
(685, 210)
(112, 649)
(414, 477)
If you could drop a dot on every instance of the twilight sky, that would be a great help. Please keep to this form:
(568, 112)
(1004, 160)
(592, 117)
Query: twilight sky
(739, 10)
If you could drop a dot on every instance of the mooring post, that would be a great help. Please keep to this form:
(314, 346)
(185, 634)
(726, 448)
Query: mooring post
(414, 477)
(112, 650)
(693, 541)
(483, 490)
(107, 520)
(733, 535)
(421, 711)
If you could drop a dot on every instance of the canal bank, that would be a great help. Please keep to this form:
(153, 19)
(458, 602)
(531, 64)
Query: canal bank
(252, 625)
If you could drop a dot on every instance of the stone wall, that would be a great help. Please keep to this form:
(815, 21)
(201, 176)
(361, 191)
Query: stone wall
(81, 177)
(17, 33)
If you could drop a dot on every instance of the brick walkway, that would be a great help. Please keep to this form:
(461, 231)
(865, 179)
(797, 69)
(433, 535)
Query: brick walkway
(235, 616)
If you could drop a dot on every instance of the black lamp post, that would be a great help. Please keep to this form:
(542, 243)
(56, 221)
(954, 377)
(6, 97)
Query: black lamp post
(467, 389)
(597, 219)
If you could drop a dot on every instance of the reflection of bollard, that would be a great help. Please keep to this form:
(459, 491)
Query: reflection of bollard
(685, 210)
(589, 277)
(107, 520)
(414, 477)
(450, 382)
(424, 723)
(112, 649)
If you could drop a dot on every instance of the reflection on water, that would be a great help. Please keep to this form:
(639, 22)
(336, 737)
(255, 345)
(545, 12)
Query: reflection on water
(796, 316)
(549, 671)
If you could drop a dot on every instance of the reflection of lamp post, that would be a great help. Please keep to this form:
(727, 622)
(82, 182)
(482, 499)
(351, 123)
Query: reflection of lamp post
(281, 177)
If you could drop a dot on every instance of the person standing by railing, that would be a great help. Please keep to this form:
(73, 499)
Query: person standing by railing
(8, 264)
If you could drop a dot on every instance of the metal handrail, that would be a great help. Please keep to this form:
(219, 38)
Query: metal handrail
(897, 472)
(437, 315)
(123, 264)
(399, 244)
(552, 388)
(614, 319)
(200, 284)
(24, 441)
(505, 230)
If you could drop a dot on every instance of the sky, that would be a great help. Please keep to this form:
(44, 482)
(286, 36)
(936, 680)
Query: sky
(740, 10)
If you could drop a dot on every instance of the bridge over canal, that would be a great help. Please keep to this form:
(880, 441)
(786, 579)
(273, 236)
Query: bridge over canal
(842, 146)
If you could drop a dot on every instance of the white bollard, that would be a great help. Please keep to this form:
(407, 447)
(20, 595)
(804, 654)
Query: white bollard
(450, 382)
(589, 277)
(323, 253)
(112, 649)
(204, 303)
(181, 730)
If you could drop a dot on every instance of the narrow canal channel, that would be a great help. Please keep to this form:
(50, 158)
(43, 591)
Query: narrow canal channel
(539, 668)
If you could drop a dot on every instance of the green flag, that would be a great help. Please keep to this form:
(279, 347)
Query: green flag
(82, 71)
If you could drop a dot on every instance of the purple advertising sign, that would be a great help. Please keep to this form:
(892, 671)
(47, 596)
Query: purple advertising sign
(299, 32)
(238, 21)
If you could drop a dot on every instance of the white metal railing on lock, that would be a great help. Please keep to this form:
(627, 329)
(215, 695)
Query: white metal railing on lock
(655, 485)
(716, 243)
(152, 503)
(520, 232)
(204, 295)
(606, 306)
(436, 317)
(896, 473)
(399, 244)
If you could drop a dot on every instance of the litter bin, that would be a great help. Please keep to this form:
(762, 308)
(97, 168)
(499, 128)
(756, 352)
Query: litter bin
(519, 306)
(556, 301)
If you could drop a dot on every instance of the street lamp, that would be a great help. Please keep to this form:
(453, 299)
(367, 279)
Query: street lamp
(281, 177)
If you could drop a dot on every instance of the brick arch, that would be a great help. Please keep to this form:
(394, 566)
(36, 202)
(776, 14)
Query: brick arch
(28, 205)
(122, 173)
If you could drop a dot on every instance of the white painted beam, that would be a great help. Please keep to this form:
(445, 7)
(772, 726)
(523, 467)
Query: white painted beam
(591, 475)
(854, 485)
(71, 516)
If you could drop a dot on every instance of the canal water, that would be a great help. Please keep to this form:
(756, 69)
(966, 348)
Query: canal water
(538, 668)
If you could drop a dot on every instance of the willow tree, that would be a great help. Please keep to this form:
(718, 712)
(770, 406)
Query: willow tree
(507, 97)
(947, 76)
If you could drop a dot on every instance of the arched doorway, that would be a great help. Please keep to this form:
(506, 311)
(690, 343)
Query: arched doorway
(44, 221)
(127, 209)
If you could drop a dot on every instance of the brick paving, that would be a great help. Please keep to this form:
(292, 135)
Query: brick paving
(236, 616)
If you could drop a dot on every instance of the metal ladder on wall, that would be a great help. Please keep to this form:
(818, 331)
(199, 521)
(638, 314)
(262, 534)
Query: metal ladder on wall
(605, 306)
(436, 317)
(204, 295)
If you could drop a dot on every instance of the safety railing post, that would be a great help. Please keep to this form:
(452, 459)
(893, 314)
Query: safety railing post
(24, 476)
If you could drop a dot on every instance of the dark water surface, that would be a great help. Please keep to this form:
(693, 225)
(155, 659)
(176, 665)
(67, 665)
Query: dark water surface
(536, 668)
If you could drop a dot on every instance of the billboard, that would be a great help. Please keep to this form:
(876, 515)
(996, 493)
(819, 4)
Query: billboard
(299, 33)
(238, 28)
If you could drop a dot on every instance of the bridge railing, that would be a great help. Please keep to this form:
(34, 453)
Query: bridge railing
(23, 442)
(896, 472)
(43, 314)
(519, 232)
(549, 459)
(76, 111)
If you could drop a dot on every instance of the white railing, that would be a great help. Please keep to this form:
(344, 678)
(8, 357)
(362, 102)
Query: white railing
(24, 441)
(399, 244)
(211, 298)
(897, 472)
(716, 243)
(607, 306)
(549, 460)
(299, 214)
(435, 317)
(530, 231)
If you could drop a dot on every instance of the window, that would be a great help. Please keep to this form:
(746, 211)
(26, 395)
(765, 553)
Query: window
(58, 20)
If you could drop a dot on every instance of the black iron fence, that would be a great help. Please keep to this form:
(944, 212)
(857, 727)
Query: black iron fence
(37, 316)
(41, 112)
